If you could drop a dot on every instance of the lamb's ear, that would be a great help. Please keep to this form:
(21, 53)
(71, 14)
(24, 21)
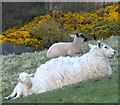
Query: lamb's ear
(72, 36)
(31, 74)
(99, 43)
(77, 35)
(91, 46)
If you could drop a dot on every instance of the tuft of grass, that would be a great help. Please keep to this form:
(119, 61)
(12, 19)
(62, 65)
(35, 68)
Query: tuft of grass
(99, 90)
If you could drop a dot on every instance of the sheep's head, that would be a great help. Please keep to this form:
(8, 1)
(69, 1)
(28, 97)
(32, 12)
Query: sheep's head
(80, 37)
(102, 50)
(24, 77)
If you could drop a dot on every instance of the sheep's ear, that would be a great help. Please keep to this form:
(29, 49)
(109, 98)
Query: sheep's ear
(77, 35)
(99, 43)
(91, 46)
(72, 36)
(31, 75)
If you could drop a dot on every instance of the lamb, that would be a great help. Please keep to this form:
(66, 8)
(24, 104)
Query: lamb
(23, 88)
(62, 71)
(67, 49)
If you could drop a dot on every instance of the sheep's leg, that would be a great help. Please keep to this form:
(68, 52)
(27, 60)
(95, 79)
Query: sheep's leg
(70, 53)
(18, 95)
(10, 96)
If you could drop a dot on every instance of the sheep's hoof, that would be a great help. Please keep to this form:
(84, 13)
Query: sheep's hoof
(6, 98)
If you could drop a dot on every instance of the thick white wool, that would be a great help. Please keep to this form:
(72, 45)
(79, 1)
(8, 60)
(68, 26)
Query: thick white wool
(62, 71)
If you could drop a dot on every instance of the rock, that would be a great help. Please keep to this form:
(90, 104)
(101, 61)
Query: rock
(9, 48)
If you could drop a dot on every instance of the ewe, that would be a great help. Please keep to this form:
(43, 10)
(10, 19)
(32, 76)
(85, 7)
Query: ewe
(67, 49)
(23, 88)
(62, 71)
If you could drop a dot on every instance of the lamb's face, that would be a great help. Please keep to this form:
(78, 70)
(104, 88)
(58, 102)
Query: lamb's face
(24, 77)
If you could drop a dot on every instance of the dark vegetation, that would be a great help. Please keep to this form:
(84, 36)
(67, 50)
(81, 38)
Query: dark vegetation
(16, 14)
(19, 13)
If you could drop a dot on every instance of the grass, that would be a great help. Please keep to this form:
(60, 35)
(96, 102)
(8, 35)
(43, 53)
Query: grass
(91, 91)
(99, 90)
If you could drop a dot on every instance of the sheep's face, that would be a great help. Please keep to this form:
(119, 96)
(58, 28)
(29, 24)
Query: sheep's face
(24, 77)
(107, 50)
(102, 50)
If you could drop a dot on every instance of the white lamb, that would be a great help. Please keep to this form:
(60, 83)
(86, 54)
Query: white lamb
(62, 71)
(23, 88)
(67, 49)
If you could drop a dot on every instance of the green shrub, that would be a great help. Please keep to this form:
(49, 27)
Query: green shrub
(104, 29)
(48, 33)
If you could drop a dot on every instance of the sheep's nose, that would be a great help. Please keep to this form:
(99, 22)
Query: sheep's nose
(19, 79)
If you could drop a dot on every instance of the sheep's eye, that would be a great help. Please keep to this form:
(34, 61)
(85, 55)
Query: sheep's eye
(106, 47)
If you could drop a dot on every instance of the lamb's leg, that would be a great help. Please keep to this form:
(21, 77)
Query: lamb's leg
(10, 96)
(18, 95)
(70, 53)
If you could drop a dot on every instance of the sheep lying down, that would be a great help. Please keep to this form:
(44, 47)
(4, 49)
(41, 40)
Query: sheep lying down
(62, 71)
(67, 48)
(23, 88)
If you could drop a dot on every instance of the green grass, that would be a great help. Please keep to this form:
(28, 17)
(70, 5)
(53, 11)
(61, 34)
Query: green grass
(98, 90)
(91, 91)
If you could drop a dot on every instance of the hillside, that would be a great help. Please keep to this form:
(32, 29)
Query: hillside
(41, 32)
(99, 90)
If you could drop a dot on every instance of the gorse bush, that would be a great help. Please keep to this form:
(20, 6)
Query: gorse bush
(57, 26)
(104, 29)
(48, 33)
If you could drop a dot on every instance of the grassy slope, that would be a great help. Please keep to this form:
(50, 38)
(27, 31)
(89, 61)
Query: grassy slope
(99, 90)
